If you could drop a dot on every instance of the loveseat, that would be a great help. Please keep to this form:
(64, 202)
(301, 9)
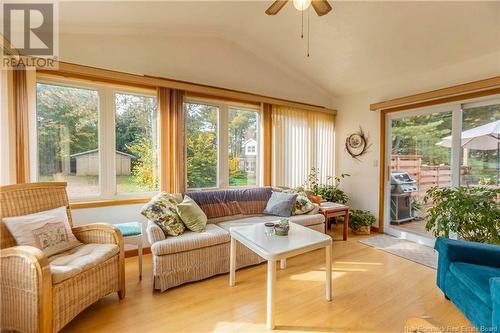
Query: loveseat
(469, 275)
(194, 256)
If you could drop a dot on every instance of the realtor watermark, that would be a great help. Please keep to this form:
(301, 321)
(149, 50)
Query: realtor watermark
(30, 34)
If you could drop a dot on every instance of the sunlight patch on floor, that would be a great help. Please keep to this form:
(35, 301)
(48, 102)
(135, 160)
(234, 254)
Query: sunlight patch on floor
(358, 263)
(315, 276)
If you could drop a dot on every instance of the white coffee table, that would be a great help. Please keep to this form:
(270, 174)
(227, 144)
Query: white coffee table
(273, 248)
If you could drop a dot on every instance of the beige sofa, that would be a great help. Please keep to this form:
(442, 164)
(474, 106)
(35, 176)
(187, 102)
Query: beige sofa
(195, 256)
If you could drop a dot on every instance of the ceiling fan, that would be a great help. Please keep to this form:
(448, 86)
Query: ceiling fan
(322, 7)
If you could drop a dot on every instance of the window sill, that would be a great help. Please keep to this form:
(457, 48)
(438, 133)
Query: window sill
(106, 203)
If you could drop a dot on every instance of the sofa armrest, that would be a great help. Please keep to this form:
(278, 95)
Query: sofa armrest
(101, 233)
(495, 301)
(451, 250)
(25, 283)
(154, 233)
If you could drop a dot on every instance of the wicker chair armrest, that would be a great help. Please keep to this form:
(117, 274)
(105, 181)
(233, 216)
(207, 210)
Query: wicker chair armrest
(25, 278)
(102, 233)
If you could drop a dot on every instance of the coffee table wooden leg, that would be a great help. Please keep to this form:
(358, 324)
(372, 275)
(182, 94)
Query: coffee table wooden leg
(346, 225)
(271, 281)
(328, 270)
(232, 263)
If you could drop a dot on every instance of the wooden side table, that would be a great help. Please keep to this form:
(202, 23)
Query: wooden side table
(331, 209)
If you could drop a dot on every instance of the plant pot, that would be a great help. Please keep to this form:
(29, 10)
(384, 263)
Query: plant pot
(315, 198)
(365, 230)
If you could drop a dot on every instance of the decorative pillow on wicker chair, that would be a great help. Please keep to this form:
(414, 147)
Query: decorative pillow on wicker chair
(162, 210)
(49, 231)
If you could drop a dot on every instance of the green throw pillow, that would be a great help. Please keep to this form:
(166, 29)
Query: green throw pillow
(192, 215)
(162, 211)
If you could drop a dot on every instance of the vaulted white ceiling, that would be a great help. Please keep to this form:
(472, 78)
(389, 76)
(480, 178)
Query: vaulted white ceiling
(355, 48)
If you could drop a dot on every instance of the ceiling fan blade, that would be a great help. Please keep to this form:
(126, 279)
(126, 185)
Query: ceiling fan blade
(322, 7)
(276, 7)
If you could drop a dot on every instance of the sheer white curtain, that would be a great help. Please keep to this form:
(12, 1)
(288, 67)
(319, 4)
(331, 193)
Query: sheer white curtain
(301, 140)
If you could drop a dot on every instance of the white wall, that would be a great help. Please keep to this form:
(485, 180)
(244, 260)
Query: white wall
(199, 59)
(111, 214)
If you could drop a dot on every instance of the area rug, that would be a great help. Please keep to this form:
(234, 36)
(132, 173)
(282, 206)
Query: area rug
(403, 248)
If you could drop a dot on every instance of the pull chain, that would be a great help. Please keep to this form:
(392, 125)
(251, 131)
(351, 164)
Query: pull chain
(302, 27)
(308, 28)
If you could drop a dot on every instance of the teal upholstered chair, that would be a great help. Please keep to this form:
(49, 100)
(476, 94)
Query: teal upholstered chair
(469, 275)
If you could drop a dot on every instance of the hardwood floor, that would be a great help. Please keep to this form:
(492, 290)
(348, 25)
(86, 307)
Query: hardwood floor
(373, 291)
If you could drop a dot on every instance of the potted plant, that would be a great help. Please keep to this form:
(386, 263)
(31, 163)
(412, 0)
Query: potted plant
(360, 221)
(472, 213)
(416, 208)
(329, 191)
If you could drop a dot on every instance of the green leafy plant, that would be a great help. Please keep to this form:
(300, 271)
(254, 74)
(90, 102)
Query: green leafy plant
(143, 173)
(416, 206)
(472, 213)
(360, 218)
(329, 191)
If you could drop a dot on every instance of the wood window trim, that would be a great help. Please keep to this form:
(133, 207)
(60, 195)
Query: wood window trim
(152, 82)
(107, 89)
(440, 96)
(107, 203)
(463, 96)
(224, 106)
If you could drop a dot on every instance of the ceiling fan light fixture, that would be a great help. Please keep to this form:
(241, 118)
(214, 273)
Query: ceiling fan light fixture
(301, 4)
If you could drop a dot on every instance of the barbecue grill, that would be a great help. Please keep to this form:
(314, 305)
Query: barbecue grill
(402, 186)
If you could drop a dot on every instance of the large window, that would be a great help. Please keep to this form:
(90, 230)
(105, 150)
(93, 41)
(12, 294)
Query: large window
(102, 141)
(202, 144)
(136, 143)
(481, 144)
(222, 145)
(67, 128)
(444, 146)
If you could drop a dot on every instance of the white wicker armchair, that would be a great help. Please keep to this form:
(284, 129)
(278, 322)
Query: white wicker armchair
(30, 300)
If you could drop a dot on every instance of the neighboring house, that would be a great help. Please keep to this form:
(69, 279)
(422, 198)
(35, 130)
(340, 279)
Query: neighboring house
(87, 163)
(248, 161)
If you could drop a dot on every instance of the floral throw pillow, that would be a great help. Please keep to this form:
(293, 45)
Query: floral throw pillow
(162, 210)
(302, 204)
(49, 231)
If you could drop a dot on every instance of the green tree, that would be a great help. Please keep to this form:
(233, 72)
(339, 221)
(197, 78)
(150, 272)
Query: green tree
(143, 172)
(201, 137)
(67, 121)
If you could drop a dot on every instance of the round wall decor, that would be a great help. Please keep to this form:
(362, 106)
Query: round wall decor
(357, 144)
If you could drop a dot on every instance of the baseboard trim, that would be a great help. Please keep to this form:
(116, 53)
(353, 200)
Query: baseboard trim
(135, 252)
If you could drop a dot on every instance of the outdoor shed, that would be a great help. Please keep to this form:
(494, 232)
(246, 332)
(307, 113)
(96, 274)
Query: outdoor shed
(87, 163)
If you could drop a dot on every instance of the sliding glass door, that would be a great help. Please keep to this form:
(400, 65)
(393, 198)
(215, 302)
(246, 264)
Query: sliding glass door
(445, 146)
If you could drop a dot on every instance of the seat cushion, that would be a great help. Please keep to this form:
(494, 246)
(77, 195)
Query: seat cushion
(248, 221)
(304, 220)
(307, 220)
(190, 240)
(70, 263)
(130, 228)
(477, 278)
